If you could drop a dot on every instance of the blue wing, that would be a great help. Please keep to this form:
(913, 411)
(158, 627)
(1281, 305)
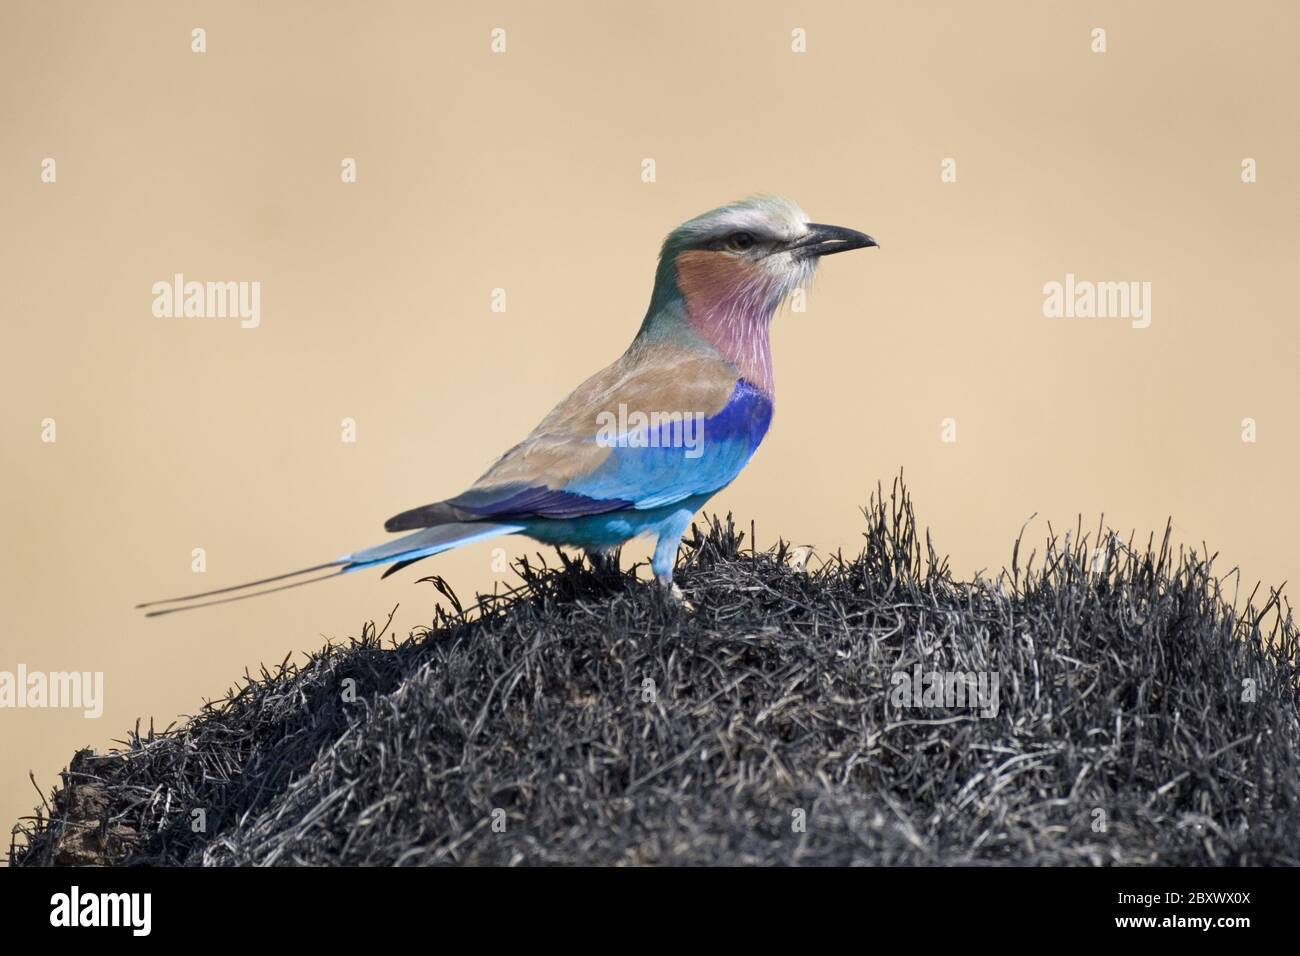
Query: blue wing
(646, 467)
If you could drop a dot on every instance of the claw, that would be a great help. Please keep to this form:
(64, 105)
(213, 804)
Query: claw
(679, 599)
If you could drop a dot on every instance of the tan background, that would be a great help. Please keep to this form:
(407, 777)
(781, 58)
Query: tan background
(522, 171)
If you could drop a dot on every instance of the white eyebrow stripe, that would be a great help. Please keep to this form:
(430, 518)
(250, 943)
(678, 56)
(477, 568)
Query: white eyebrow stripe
(766, 215)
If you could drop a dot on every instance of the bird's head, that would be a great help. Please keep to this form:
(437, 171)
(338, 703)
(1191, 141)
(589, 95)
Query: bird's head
(740, 261)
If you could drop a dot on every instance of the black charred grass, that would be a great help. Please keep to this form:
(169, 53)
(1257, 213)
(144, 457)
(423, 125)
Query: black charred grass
(1146, 716)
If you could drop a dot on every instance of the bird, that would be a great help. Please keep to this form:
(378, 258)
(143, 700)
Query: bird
(639, 447)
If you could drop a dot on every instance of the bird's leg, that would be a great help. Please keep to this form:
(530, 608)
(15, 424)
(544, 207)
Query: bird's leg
(665, 556)
(604, 561)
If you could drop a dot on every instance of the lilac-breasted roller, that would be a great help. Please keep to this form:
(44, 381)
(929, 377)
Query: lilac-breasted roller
(640, 446)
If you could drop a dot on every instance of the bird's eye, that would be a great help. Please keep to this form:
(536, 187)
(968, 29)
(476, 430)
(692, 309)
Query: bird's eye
(740, 241)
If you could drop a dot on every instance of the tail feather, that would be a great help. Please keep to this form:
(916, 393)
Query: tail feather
(400, 552)
(427, 542)
(394, 568)
(242, 587)
(239, 597)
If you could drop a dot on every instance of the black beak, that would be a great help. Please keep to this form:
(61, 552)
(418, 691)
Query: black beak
(823, 240)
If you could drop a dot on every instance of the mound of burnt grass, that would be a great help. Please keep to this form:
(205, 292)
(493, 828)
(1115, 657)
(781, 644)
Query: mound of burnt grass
(1100, 703)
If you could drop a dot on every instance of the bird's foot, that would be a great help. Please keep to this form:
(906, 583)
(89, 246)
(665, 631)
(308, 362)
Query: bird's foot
(672, 595)
(680, 599)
